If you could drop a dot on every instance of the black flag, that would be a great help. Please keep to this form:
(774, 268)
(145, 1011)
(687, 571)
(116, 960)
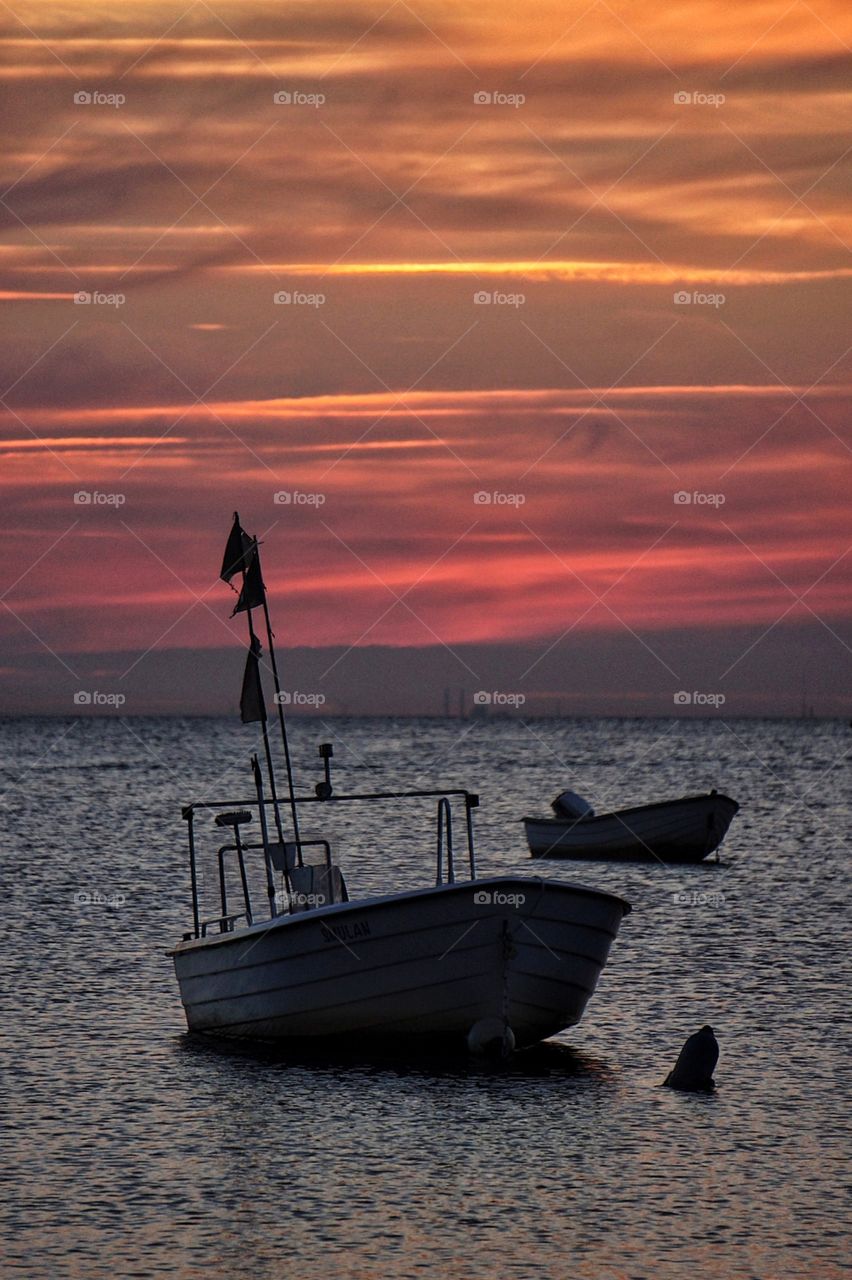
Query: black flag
(251, 595)
(237, 551)
(252, 706)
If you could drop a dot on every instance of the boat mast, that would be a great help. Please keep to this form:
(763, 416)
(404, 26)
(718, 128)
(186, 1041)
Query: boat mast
(240, 557)
(254, 645)
(281, 720)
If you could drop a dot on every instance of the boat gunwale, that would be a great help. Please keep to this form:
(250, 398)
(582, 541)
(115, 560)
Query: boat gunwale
(261, 927)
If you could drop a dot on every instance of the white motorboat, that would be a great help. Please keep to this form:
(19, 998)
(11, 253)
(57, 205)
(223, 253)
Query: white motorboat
(684, 830)
(492, 963)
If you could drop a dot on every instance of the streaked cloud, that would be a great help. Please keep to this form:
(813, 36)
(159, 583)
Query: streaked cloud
(622, 274)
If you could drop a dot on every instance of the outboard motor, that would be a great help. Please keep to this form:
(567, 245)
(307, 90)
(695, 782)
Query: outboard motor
(569, 805)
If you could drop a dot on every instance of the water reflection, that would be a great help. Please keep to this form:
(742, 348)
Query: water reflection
(551, 1059)
(133, 1149)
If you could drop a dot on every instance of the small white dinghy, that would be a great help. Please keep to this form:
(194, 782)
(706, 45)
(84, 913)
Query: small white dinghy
(492, 963)
(685, 830)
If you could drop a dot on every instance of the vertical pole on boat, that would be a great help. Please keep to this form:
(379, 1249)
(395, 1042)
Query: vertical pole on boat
(471, 802)
(281, 720)
(241, 557)
(189, 817)
(264, 835)
(255, 643)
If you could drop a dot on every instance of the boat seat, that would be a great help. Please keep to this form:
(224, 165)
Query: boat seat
(316, 886)
(282, 854)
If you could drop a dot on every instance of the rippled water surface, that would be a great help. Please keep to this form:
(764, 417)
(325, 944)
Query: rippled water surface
(131, 1149)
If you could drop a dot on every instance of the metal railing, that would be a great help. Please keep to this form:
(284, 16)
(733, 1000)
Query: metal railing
(236, 812)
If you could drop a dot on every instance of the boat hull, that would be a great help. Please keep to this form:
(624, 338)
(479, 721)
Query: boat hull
(685, 830)
(519, 952)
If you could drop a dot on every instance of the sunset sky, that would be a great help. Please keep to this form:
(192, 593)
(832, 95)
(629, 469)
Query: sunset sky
(543, 273)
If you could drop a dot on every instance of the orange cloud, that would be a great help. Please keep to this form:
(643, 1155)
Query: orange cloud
(692, 148)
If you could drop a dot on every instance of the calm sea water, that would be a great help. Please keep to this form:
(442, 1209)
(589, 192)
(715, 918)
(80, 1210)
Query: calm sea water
(132, 1150)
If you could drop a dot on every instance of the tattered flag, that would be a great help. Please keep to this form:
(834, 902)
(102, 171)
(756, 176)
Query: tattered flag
(251, 595)
(237, 551)
(252, 705)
